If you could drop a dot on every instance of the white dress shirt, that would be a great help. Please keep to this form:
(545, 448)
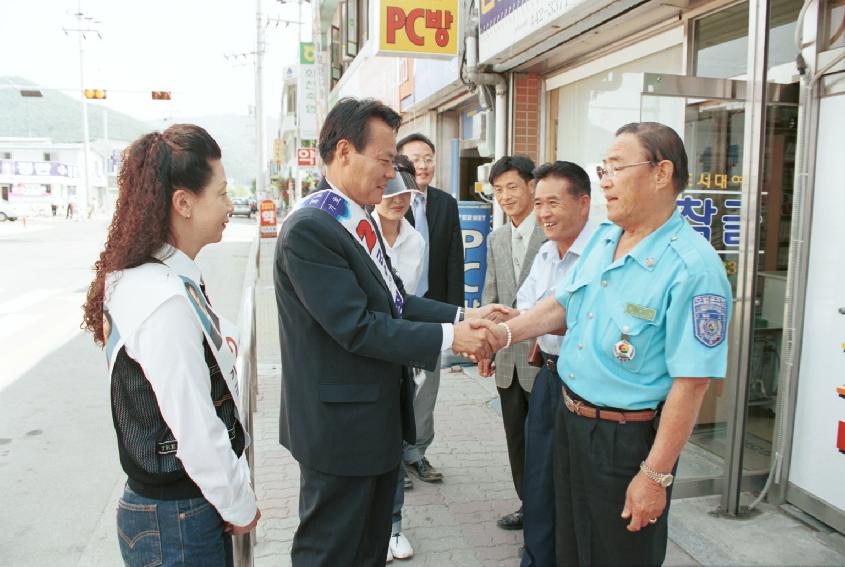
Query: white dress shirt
(169, 347)
(418, 206)
(406, 254)
(547, 271)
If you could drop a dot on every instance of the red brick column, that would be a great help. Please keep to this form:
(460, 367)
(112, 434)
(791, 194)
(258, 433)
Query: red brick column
(526, 116)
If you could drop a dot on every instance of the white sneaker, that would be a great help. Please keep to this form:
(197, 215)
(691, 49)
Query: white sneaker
(389, 555)
(400, 547)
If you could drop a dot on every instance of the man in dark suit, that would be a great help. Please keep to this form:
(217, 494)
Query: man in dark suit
(348, 333)
(434, 214)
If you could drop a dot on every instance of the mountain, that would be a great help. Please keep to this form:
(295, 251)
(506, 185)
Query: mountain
(235, 134)
(58, 116)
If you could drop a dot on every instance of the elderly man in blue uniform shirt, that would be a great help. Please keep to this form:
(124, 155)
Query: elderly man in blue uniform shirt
(646, 310)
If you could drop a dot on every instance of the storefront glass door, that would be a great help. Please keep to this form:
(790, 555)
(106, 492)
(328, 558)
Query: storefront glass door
(709, 114)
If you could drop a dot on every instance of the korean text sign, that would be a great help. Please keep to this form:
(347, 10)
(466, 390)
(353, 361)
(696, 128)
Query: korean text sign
(419, 28)
(475, 226)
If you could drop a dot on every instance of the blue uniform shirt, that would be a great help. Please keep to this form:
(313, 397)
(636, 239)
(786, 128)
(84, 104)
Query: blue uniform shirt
(668, 298)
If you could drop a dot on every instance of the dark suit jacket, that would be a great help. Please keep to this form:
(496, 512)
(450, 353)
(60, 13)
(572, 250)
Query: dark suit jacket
(347, 398)
(446, 247)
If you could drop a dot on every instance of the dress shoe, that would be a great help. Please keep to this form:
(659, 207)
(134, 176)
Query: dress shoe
(511, 521)
(423, 470)
(409, 484)
(400, 547)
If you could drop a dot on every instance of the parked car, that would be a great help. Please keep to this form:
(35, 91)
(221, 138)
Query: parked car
(242, 208)
(8, 212)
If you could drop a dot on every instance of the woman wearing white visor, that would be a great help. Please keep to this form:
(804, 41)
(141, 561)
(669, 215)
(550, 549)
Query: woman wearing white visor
(405, 247)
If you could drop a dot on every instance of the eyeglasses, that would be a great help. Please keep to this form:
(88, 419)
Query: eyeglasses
(428, 162)
(613, 170)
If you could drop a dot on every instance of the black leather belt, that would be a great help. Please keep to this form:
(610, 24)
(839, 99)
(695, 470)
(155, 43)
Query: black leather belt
(550, 362)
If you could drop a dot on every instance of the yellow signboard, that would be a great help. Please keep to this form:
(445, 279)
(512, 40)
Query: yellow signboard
(419, 28)
(278, 151)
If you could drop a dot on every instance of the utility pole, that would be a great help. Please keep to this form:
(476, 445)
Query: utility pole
(297, 191)
(259, 107)
(84, 187)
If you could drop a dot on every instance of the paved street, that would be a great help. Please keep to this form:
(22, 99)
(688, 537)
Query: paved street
(61, 478)
(58, 459)
(453, 524)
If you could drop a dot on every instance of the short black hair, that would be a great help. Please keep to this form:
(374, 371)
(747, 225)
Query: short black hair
(520, 164)
(662, 143)
(403, 163)
(579, 181)
(415, 137)
(350, 120)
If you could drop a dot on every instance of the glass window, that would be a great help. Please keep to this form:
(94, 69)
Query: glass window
(834, 24)
(592, 109)
(721, 39)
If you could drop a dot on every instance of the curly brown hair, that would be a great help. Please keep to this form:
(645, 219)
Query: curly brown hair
(153, 167)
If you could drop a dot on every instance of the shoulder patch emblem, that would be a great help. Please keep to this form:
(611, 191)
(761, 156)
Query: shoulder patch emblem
(710, 317)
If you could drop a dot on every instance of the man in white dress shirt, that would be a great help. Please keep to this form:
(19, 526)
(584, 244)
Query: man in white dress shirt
(562, 208)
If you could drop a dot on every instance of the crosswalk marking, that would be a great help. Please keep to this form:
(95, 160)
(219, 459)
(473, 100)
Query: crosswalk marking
(27, 300)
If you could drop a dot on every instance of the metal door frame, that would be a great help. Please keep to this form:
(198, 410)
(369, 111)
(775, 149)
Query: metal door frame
(752, 93)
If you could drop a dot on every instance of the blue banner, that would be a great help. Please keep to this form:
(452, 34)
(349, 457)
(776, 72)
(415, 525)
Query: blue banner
(475, 226)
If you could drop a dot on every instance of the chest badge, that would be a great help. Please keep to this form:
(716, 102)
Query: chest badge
(623, 350)
(640, 312)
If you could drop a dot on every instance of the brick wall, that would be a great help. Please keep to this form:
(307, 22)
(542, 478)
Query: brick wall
(526, 116)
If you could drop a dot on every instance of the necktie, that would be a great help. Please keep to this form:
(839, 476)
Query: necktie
(518, 253)
(421, 225)
(202, 288)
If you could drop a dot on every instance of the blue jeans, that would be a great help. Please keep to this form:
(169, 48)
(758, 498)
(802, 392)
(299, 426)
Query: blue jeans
(183, 533)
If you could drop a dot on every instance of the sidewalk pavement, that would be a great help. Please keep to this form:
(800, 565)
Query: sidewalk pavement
(454, 523)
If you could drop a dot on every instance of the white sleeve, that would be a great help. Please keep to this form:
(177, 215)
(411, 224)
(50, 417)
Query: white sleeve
(448, 335)
(169, 347)
(526, 296)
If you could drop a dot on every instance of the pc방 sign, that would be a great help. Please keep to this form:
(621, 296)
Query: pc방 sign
(419, 28)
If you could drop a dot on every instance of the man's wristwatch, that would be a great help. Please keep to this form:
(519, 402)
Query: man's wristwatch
(461, 314)
(663, 479)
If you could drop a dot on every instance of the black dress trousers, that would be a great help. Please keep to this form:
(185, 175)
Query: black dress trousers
(594, 462)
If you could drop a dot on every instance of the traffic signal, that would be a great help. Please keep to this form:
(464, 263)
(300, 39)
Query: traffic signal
(161, 95)
(96, 94)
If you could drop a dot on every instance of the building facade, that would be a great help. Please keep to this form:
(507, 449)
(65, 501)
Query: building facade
(762, 127)
(37, 174)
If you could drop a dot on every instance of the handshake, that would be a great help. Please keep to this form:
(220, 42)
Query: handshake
(480, 335)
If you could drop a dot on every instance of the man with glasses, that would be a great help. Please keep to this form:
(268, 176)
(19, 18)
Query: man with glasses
(646, 310)
(434, 213)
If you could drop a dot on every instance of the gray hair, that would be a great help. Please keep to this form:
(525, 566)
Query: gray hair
(662, 143)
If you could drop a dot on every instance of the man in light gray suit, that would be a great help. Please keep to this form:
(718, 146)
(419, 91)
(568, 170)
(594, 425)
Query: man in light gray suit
(510, 252)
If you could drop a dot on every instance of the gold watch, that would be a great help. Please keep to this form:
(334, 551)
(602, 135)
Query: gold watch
(663, 479)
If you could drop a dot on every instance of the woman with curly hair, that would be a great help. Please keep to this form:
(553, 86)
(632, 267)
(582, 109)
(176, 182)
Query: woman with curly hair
(171, 358)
